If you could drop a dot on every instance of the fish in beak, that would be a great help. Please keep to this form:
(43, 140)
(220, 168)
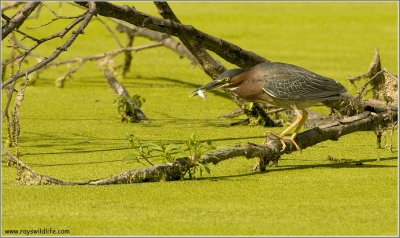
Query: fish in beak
(214, 84)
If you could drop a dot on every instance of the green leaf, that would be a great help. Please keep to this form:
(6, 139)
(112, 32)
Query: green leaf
(155, 147)
(172, 148)
(130, 157)
(205, 167)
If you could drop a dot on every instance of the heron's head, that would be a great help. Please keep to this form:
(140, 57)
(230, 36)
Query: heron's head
(228, 79)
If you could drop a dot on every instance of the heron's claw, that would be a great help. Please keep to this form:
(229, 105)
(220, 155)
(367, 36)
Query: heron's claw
(282, 140)
(291, 138)
(267, 133)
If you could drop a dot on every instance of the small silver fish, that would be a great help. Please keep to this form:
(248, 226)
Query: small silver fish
(202, 95)
(199, 93)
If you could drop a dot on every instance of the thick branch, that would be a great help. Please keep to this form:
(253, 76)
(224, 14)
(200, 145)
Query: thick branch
(230, 52)
(366, 121)
(18, 19)
(210, 66)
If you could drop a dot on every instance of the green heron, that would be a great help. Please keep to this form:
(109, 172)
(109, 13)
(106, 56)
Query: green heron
(284, 85)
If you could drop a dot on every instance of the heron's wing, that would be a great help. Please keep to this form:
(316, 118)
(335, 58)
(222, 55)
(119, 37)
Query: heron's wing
(290, 82)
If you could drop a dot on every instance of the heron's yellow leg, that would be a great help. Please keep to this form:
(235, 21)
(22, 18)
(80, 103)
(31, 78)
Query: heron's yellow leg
(297, 122)
(303, 118)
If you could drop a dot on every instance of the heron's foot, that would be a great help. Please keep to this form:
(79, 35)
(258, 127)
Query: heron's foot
(269, 134)
(291, 138)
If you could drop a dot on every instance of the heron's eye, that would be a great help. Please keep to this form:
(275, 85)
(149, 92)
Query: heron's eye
(226, 80)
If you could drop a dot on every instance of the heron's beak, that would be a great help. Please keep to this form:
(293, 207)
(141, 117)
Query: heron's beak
(214, 84)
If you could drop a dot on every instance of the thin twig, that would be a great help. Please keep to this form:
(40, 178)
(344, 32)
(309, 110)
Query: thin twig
(359, 95)
(28, 36)
(60, 81)
(390, 74)
(56, 16)
(167, 40)
(110, 30)
(105, 54)
(60, 34)
(11, 5)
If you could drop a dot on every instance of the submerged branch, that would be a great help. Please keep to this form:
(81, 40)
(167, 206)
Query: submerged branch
(134, 111)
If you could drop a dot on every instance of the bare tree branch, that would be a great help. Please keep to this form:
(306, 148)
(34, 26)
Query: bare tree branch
(26, 175)
(120, 90)
(167, 41)
(374, 73)
(110, 53)
(27, 52)
(57, 17)
(59, 50)
(60, 80)
(128, 54)
(110, 30)
(230, 52)
(85, 59)
(5, 116)
(18, 19)
(210, 66)
(13, 123)
(270, 152)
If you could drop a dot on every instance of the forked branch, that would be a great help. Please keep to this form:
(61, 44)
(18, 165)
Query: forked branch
(85, 21)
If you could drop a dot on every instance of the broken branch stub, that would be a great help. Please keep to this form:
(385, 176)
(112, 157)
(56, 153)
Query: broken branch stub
(132, 110)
